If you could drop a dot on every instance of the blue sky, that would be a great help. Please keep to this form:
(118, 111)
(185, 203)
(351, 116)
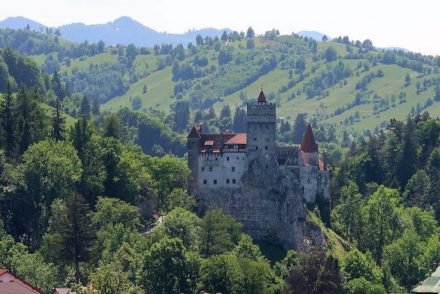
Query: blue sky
(406, 23)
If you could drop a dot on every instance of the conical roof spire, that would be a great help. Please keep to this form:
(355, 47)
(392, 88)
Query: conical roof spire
(308, 143)
(194, 133)
(262, 97)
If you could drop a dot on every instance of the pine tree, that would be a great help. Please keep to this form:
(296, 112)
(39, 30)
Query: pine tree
(57, 87)
(299, 128)
(250, 33)
(407, 164)
(95, 107)
(58, 122)
(71, 233)
(111, 126)
(24, 109)
(8, 122)
(240, 121)
(81, 134)
(84, 110)
(181, 115)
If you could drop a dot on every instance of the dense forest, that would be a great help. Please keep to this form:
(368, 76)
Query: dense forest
(97, 195)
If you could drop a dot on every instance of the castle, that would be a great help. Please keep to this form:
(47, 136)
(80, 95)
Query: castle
(253, 179)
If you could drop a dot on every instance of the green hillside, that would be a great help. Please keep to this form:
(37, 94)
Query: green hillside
(349, 85)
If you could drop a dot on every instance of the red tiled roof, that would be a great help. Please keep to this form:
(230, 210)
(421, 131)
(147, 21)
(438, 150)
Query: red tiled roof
(15, 288)
(308, 143)
(217, 141)
(237, 139)
(261, 97)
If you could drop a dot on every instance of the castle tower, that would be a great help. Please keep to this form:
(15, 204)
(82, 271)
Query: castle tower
(309, 148)
(261, 128)
(193, 145)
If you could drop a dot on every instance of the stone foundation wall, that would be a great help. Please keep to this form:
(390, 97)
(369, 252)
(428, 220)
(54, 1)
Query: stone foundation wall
(269, 203)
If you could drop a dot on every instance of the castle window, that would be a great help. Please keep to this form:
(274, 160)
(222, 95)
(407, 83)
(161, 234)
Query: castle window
(216, 158)
(237, 157)
(210, 168)
(227, 158)
(265, 147)
(234, 181)
(233, 168)
(205, 182)
(215, 182)
(203, 168)
(227, 181)
(255, 139)
(256, 147)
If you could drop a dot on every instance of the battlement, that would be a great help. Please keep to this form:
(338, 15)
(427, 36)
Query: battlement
(261, 109)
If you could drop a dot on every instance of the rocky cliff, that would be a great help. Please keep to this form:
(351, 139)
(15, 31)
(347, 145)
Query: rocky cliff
(269, 204)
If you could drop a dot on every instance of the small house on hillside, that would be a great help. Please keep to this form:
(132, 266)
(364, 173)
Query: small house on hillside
(431, 285)
(11, 284)
(62, 291)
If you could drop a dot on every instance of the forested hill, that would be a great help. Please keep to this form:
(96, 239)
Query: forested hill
(341, 84)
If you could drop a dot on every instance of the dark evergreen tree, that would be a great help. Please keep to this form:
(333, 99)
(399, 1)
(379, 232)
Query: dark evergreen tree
(58, 122)
(95, 107)
(407, 164)
(81, 134)
(84, 110)
(24, 109)
(240, 121)
(57, 87)
(31, 119)
(224, 37)
(198, 117)
(250, 33)
(211, 113)
(7, 113)
(71, 232)
(112, 126)
(299, 127)
(225, 112)
(373, 169)
(181, 116)
(315, 273)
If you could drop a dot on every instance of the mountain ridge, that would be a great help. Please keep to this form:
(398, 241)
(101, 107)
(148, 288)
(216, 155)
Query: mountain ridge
(123, 30)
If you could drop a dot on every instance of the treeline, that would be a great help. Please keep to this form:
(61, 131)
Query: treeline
(386, 203)
(30, 42)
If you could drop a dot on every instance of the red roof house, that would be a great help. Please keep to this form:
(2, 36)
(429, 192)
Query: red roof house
(11, 284)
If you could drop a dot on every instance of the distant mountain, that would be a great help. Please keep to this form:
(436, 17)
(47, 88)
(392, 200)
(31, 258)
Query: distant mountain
(123, 30)
(312, 34)
(20, 22)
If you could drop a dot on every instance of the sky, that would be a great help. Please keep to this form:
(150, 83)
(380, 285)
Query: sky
(408, 24)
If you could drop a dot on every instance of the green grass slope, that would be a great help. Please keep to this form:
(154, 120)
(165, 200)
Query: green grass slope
(273, 66)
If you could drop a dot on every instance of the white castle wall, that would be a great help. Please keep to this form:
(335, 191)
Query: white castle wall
(219, 171)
